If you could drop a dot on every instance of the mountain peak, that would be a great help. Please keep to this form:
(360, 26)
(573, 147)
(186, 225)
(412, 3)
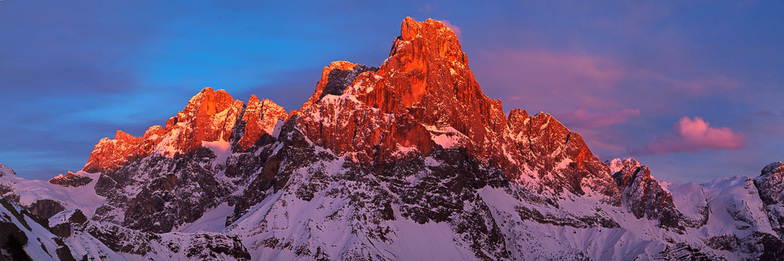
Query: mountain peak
(259, 117)
(209, 116)
(424, 84)
(435, 35)
(335, 78)
(5, 170)
(423, 98)
(773, 168)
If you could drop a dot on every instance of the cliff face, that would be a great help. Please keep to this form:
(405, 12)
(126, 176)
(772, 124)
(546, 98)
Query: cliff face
(642, 194)
(423, 98)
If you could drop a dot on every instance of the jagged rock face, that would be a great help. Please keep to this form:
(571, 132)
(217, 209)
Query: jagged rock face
(209, 116)
(325, 76)
(642, 194)
(70, 180)
(424, 97)
(46, 208)
(425, 81)
(770, 185)
(171, 246)
(263, 169)
(168, 177)
(337, 197)
(559, 158)
(158, 194)
(771, 182)
(112, 153)
(259, 118)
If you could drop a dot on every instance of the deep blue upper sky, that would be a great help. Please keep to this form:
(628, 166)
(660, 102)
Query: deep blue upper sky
(694, 89)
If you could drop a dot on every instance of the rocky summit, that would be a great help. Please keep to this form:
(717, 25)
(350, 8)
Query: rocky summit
(406, 161)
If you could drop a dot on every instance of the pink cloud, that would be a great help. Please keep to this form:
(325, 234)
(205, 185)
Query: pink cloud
(696, 86)
(453, 27)
(426, 9)
(696, 135)
(583, 118)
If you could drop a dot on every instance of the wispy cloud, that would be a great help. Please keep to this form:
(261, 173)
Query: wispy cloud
(696, 86)
(560, 70)
(425, 9)
(768, 113)
(584, 118)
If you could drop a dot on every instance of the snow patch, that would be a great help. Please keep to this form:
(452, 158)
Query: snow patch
(221, 149)
(446, 138)
(213, 220)
(688, 198)
(446, 141)
(278, 126)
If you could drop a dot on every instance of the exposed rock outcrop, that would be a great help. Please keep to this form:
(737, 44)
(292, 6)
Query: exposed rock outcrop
(70, 180)
(45, 208)
(770, 184)
(642, 194)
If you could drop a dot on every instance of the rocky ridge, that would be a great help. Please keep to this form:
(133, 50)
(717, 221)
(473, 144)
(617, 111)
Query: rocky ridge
(379, 158)
(642, 194)
(209, 116)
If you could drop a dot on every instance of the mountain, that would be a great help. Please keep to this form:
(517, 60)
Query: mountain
(406, 161)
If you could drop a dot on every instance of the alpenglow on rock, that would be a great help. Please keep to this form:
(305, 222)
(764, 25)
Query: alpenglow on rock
(406, 161)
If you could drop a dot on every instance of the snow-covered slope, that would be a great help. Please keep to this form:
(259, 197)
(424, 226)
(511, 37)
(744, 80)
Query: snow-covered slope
(23, 237)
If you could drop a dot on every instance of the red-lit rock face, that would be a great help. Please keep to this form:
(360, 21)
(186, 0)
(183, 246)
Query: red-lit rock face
(425, 83)
(209, 116)
(70, 180)
(260, 117)
(424, 92)
(110, 154)
(317, 94)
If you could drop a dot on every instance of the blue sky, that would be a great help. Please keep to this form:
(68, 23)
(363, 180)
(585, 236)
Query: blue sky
(692, 89)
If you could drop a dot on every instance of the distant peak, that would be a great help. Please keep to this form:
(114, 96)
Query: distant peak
(618, 164)
(5, 170)
(773, 168)
(210, 115)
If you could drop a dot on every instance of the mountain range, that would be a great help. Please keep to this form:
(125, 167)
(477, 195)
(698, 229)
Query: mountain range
(406, 161)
